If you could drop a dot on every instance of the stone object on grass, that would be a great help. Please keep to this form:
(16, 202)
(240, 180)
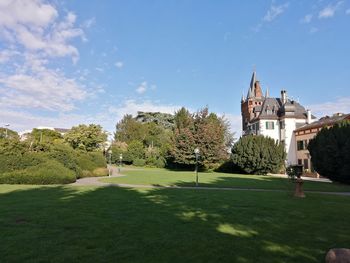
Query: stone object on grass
(338, 255)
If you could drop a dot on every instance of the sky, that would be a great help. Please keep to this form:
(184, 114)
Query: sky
(63, 63)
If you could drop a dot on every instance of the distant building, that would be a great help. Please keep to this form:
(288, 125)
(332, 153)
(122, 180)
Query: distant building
(305, 133)
(273, 117)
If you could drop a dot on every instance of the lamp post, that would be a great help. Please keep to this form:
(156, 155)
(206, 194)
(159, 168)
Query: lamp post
(110, 162)
(6, 130)
(120, 162)
(196, 152)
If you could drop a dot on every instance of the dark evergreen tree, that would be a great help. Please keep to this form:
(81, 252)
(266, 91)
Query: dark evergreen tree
(258, 155)
(330, 152)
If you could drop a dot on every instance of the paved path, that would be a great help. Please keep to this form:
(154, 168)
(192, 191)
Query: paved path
(115, 173)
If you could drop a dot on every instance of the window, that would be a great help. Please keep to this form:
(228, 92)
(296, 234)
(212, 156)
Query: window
(306, 164)
(300, 161)
(301, 145)
(270, 125)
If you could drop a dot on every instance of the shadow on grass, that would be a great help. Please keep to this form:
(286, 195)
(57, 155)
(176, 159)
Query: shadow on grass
(109, 224)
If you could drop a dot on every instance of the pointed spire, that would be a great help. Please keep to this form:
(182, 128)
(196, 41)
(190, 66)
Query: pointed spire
(251, 87)
(242, 100)
(267, 94)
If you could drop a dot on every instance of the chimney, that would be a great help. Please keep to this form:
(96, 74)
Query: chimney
(283, 96)
(308, 121)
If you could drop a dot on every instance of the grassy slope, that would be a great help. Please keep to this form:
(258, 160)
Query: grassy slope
(165, 177)
(108, 224)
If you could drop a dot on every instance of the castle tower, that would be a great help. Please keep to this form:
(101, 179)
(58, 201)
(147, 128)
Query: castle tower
(254, 98)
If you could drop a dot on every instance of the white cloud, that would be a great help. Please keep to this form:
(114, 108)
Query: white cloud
(142, 88)
(329, 10)
(36, 26)
(99, 69)
(119, 64)
(7, 54)
(49, 90)
(306, 19)
(275, 11)
(330, 107)
(132, 107)
(347, 12)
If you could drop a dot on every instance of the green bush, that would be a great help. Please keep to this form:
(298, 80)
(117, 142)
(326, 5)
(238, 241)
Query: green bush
(66, 156)
(160, 163)
(139, 162)
(13, 162)
(258, 154)
(89, 161)
(330, 152)
(49, 172)
(102, 171)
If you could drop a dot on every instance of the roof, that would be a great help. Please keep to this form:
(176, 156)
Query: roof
(272, 108)
(325, 121)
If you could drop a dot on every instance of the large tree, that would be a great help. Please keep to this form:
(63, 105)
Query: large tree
(7, 133)
(330, 152)
(129, 129)
(86, 137)
(202, 130)
(258, 154)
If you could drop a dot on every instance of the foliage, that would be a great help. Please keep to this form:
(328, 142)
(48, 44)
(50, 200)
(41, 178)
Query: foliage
(118, 148)
(330, 152)
(258, 154)
(129, 129)
(294, 171)
(164, 120)
(65, 155)
(204, 130)
(139, 162)
(88, 162)
(86, 137)
(154, 157)
(101, 171)
(10, 134)
(49, 172)
(135, 151)
(12, 162)
(12, 146)
(44, 135)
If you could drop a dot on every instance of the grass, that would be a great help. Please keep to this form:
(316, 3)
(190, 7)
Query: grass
(110, 224)
(163, 177)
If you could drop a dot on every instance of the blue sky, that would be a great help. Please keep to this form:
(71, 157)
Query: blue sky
(68, 62)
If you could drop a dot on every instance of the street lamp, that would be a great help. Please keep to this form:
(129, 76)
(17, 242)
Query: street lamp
(196, 152)
(110, 162)
(120, 161)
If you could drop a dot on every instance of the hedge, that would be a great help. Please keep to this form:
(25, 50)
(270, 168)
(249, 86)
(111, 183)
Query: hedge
(49, 172)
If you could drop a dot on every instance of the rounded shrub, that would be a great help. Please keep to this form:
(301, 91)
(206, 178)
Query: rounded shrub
(49, 172)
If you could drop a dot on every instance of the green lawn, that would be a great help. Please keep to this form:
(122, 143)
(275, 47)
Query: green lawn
(163, 177)
(110, 224)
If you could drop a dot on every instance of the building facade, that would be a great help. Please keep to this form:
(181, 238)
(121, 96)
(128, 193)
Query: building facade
(273, 117)
(305, 133)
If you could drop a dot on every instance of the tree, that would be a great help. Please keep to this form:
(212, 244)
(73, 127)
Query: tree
(258, 154)
(204, 130)
(86, 137)
(7, 133)
(128, 130)
(135, 151)
(330, 152)
(44, 135)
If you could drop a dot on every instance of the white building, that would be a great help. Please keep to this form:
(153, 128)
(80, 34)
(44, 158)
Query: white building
(273, 117)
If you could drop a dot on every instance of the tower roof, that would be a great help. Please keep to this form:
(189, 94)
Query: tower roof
(251, 87)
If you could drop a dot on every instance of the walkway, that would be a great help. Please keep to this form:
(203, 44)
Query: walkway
(95, 181)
